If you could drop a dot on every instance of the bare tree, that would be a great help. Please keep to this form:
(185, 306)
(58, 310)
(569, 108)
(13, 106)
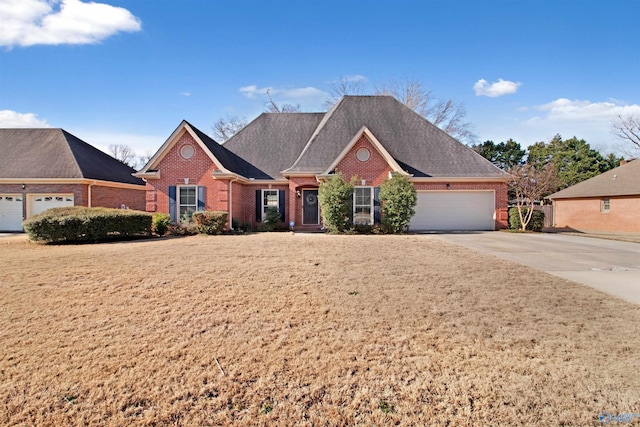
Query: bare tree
(530, 185)
(225, 127)
(446, 114)
(123, 153)
(272, 107)
(627, 128)
(345, 86)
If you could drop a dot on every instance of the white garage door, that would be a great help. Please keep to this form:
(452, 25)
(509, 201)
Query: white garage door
(42, 202)
(454, 210)
(10, 212)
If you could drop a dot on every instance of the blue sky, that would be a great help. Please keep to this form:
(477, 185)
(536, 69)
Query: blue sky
(128, 71)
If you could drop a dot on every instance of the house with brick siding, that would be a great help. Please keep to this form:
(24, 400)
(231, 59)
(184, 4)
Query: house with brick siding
(47, 168)
(607, 202)
(280, 159)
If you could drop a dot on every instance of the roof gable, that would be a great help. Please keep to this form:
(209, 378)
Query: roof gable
(49, 153)
(413, 142)
(621, 181)
(374, 142)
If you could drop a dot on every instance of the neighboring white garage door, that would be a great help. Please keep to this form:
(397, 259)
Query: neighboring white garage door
(10, 212)
(42, 202)
(454, 210)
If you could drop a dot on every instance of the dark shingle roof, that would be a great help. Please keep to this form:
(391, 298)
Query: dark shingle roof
(310, 142)
(273, 141)
(621, 181)
(55, 153)
(411, 140)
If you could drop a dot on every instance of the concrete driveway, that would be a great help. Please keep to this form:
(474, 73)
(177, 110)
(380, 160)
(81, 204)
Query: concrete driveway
(608, 265)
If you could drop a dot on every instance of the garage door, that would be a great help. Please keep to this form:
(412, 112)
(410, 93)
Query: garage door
(42, 202)
(454, 210)
(10, 212)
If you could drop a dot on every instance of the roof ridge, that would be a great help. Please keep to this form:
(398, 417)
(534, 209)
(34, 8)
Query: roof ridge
(315, 133)
(66, 136)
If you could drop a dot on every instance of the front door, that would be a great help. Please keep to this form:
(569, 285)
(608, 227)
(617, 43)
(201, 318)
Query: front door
(310, 211)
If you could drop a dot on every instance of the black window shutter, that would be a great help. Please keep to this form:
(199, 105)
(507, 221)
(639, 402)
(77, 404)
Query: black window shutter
(258, 205)
(201, 191)
(353, 195)
(376, 205)
(281, 204)
(172, 204)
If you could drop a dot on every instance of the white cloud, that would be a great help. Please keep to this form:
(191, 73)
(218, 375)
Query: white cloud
(13, 119)
(185, 93)
(53, 22)
(495, 89)
(305, 96)
(563, 110)
(583, 119)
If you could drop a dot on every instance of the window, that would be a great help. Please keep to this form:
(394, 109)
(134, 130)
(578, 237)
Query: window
(604, 205)
(362, 205)
(269, 200)
(188, 202)
(363, 154)
(187, 151)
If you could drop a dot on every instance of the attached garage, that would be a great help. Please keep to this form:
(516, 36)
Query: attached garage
(11, 212)
(454, 210)
(42, 202)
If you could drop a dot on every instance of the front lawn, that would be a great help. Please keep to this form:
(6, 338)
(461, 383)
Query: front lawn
(283, 329)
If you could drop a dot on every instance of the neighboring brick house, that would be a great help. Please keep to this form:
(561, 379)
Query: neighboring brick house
(46, 168)
(607, 202)
(280, 159)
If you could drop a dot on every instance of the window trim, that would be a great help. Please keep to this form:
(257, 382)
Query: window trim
(605, 205)
(371, 203)
(265, 206)
(179, 203)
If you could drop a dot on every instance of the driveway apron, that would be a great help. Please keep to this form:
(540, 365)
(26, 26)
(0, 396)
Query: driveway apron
(608, 265)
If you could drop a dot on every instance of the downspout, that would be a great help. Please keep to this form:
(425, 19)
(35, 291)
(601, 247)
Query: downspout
(231, 181)
(89, 194)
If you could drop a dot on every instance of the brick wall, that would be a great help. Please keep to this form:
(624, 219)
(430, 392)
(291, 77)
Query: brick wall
(112, 197)
(197, 169)
(585, 214)
(374, 170)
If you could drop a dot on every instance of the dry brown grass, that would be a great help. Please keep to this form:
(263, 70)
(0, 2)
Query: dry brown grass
(344, 330)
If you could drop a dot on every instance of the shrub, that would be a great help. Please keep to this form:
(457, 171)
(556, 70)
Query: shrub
(398, 197)
(335, 199)
(210, 222)
(536, 223)
(78, 224)
(161, 222)
(271, 221)
(183, 229)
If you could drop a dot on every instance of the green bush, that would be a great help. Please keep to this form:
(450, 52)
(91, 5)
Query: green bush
(536, 223)
(271, 221)
(161, 223)
(335, 199)
(398, 197)
(79, 224)
(214, 222)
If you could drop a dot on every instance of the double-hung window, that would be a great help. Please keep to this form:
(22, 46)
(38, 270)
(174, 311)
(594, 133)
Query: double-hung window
(363, 205)
(605, 205)
(188, 202)
(269, 200)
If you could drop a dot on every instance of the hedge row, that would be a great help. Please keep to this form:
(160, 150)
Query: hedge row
(78, 224)
(536, 223)
(213, 222)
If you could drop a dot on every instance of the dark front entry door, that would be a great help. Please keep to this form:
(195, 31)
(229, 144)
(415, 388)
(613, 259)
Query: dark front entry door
(310, 212)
